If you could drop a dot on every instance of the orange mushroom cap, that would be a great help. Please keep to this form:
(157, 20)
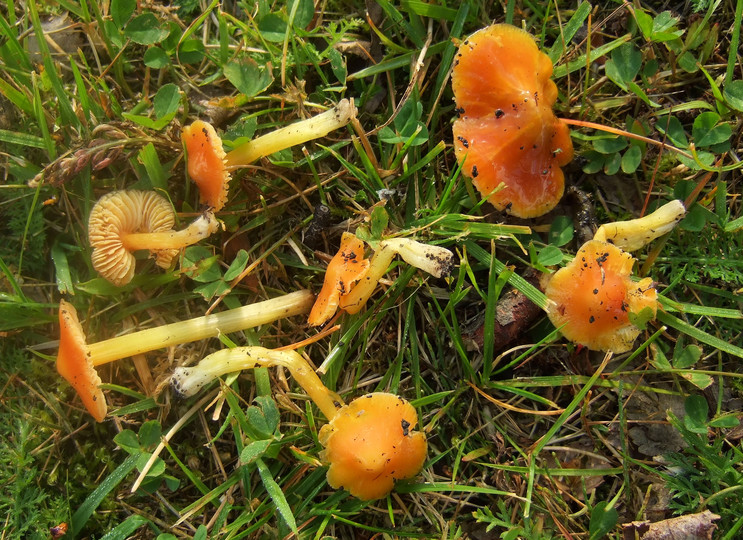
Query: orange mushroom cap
(592, 297)
(206, 163)
(346, 268)
(370, 443)
(75, 365)
(506, 131)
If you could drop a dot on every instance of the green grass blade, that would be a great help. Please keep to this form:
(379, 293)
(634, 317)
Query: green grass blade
(699, 335)
(108, 484)
(277, 496)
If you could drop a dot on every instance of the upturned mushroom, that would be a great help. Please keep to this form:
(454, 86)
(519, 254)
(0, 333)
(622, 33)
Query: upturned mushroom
(368, 444)
(125, 221)
(593, 300)
(350, 281)
(77, 360)
(505, 131)
(209, 165)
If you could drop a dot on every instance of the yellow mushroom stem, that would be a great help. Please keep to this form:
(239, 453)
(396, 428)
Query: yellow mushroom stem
(198, 328)
(293, 134)
(202, 228)
(189, 380)
(637, 233)
(432, 259)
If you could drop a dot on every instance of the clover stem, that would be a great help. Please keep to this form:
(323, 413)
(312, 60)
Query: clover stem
(189, 380)
(624, 133)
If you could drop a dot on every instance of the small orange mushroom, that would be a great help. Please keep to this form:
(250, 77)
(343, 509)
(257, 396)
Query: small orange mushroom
(591, 299)
(209, 165)
(506, 131)
(125, 221)
(371, 443)
(206, 163)
(77, 360)
(74, 364)
(368, 444)
(346, 268)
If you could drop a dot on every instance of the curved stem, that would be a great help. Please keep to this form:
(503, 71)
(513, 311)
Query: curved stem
(224, 322)
(624, 133)
(189, 380)
(292, 135)
(203, 227)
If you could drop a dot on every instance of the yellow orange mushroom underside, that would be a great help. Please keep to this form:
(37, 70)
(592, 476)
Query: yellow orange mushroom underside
(371, 443)
(506, 135)
(591, 299)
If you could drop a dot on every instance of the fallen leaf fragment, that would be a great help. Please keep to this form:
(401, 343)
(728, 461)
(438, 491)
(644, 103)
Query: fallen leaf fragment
(690, 527)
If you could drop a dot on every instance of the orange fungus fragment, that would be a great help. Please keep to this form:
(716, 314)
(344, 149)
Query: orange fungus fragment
(346, 268)
(206, 163)
(591, 298)
(75, 365)
(506, 131)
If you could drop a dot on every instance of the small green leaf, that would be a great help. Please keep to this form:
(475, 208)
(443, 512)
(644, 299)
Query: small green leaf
(733, 94)
(549, 255)
(149, 433)
(378, 222)
(688, 62)
(696, 409)
(248, 77)
(128, 441)
(561, 231)
(156, 58)
(191, 51)
(121, 11)
(272, 28)
(603, 520)
(305, 12)
(200, 265)
(695, 219)
(145, 29)
(686, 357)
(631, 159)
(157, 468)
(727, 421)
(641, 319)
(166, 101)
(264, 417)
(700, 380)
(338, 65)
(610, 145)
(237, 266)
(612, 164)
(707, 131)
(624, 65)
(254, 450)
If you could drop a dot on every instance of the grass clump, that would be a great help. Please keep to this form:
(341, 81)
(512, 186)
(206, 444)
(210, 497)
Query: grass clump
(529, 436)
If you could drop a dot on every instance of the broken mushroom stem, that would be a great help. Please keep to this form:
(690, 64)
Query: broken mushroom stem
(634, 234)
(187, 381)
(292, 135)
(207, 326)
(435, 260)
